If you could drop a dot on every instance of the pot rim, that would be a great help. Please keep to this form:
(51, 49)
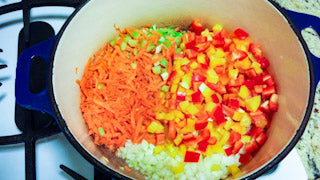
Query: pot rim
(254, 175)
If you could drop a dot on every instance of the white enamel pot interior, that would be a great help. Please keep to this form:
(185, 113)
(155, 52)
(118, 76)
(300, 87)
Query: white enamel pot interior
(92, 25)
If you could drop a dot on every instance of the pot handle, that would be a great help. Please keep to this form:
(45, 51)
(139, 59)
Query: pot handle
(303, 21)
(35, 101)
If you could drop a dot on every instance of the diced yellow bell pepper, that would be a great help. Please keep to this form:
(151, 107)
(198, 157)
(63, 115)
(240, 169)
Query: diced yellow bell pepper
(179, 168)
(190, 124)
(224, 138)
(181, 89)
(217, 27)
(186, 81)
(178, 114)
(210, 106)
(237, 116)
(169, 116)
(246, 139)
(192, 109)
(161, 95)
(178, 140)
(184, 106)
(184, 61)
(194, 65)
(234, 171)
(174, 96)
(245, 120)
(256, 67)
(174, 88)
(245, 64)
(233, 73)
(238, 128)
(253, 103)
(160, 115)
(201, 58)
(207, 34)
(227, 126)
(158, 149)
(220, 53)
(244, 92)
(155, 127)
(205, 90)
(217, 61)
(182, 150)
(211, 51)
(212, 76)
(217, 149)
(215, 167)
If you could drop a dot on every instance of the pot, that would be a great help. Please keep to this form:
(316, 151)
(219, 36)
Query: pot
(91, 25)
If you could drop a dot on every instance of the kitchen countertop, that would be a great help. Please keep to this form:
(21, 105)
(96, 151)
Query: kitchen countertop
(309, 145)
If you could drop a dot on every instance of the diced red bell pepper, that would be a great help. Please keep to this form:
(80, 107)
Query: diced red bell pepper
(190, 53)
(268, 91)
(189, 37)
(268, 79)
(228, 151)
(258, 88)
(233, 90)
(255, 50)
(265, 107)
(244, 158)
(196, 97)
(190, 44)
(261, 139)
(200, 39)
(227, 44)
(273, 102)
(188, 136)
(191, 156)
(220, 69)
(204, 66)
(202, 146)
(212, 141)
(234, 103)
(264, 62)
(190, 142)
(234, 137)
(258, 80)
(215, 98)
(237, 146)
(185, 68)
(219, 88)
(196, 85)
(172, 75)
(238, 55)
(249, 83)
(251, 73)
(160, 138)
(204, 135)
(259, 118)
(203, 46)
(255, 131)
(196, 27)
(224, 34)
(241, 34)
(198, 78)
(200, 125)
(237, 82)
(219, 116)
(251, 147)
(227, 111)
(178, 56)
(218, 42)
(181, 96)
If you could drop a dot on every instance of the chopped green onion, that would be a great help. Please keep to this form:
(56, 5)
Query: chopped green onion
(177, 34)
(132, 42)
(126, 38)
(101, 131)
(164, 70)
(135, 34)
(156, 69)
(178, 41)
(156, 64)
(142, 43)
(134, 65)
(158, 48)
(162, 40)
(154, 27)
(150, 47)
(171, 27)
(165, 75)
(163, 62)
(112, 42)
(178, 51)
(123, 46)
(165, 88)
(135, 51)
(167, 43)
(100, 86)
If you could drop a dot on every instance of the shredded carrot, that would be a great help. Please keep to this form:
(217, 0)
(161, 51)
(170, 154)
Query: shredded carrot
(118, 98)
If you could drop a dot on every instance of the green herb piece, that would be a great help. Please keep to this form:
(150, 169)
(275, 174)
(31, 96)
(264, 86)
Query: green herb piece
(165, 88)
(156, 69)
(156, 64)
(134, 65)
(123, 46)
(165, 75)
(101, 131)
(167, 43)
(150, 47)
(142, 43)
(100, 86)
(132, 42)
(135, 34)
(135, 51)
(158, 48)
(163, 62)
(161, 40)
(164, 70)
(177, 51)
(126, 38)
(112, 42)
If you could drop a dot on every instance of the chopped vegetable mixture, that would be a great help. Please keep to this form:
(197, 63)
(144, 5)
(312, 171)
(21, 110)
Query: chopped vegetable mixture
(192, 94)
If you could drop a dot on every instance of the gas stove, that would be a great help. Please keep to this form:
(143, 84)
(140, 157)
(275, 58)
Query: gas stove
(31, 144)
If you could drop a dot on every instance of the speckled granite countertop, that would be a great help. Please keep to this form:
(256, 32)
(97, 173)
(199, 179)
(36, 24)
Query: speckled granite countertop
(309, 145)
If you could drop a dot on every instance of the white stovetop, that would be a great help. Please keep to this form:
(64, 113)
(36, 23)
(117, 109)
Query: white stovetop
(56, 150)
